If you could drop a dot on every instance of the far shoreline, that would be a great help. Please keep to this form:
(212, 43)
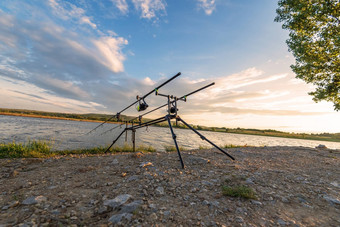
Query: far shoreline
(55, 118)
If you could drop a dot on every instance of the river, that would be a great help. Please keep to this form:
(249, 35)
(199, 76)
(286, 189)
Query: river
(72, 135)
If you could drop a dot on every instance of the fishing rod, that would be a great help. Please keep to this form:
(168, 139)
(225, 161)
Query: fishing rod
(140, 100)
(143, 105)
(119, 125)
(183, 98)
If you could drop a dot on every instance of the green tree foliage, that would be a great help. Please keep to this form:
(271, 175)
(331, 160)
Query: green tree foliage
(314, 27)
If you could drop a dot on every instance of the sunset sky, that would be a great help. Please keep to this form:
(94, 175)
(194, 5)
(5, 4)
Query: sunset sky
(96, 56)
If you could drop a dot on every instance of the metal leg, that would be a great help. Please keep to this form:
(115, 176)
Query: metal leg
(134, 140)
(204, 138)
(174, 137)
(115, 140)
(126, 132)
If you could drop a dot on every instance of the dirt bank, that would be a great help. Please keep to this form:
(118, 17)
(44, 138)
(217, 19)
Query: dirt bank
(294, 186)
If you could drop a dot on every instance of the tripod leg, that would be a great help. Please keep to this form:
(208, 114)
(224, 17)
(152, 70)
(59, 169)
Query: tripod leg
(204, 138)
(174, 137)
(115, 141)
(134, 140)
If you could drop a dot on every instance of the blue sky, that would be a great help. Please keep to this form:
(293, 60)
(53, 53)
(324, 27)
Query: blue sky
(96, 56)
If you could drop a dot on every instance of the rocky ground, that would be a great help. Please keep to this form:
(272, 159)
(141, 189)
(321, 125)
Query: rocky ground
(294, 186)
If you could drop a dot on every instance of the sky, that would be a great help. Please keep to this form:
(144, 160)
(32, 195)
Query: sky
(96, 56)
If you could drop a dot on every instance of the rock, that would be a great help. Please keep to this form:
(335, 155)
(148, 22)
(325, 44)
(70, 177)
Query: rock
(256, 202)
(34, 200)
(239, 219)
(166, 213)
(205, 202)
(131, 207)
(132, 178)
(331, 200)
(206, 183)
(114, 162)
(153, 216)
(321, 146)
(115, 219)
(281, 222)
(13, 204)
(145, 164)
(194, 190)
(118, 201)
(153, 207)
(249, 181)
(214, 203)
(335, 184)
(159, 190)
(14, 173)
(103, 210)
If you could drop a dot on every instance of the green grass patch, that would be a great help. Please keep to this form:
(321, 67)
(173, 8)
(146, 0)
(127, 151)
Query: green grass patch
(31, 149)
(173, 148)
(203, 147)
(234, 146)
(241, 191)
(42, 149)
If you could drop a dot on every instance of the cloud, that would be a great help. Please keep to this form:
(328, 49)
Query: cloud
(150, 8)
(207, 5)
(110, 55)
(65, 64)
(121, 5)
(61, 87)
(66, 11)
(58, 50)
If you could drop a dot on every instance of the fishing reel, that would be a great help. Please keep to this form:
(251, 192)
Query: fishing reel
(172, 108)
(142, 105)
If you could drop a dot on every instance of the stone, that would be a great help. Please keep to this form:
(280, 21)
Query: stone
(132, 178)
(114, 162)
(153, 216)
(103, 210)
(153, 207)
(239, 219)
(335, 184)
(205, 202)
(118, 201)
(321, 146)
(13, 204)
(331, 200)
(255, 202)
(131, 207)
(166, 213)
(281, 222)
(115, 219)
(145, 164)
(249, 181)
(34, 200)
(206, 183)
(159, 190)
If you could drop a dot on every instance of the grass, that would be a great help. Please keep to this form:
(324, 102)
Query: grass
(235, 187)
(43, 149)
(234, 146)
(241, 191)
(169, 148)
(32, 149)
(203, 147)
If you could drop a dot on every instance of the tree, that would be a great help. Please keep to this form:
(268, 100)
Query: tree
(314, 40)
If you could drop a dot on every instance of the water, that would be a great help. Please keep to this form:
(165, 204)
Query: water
(72, 135)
